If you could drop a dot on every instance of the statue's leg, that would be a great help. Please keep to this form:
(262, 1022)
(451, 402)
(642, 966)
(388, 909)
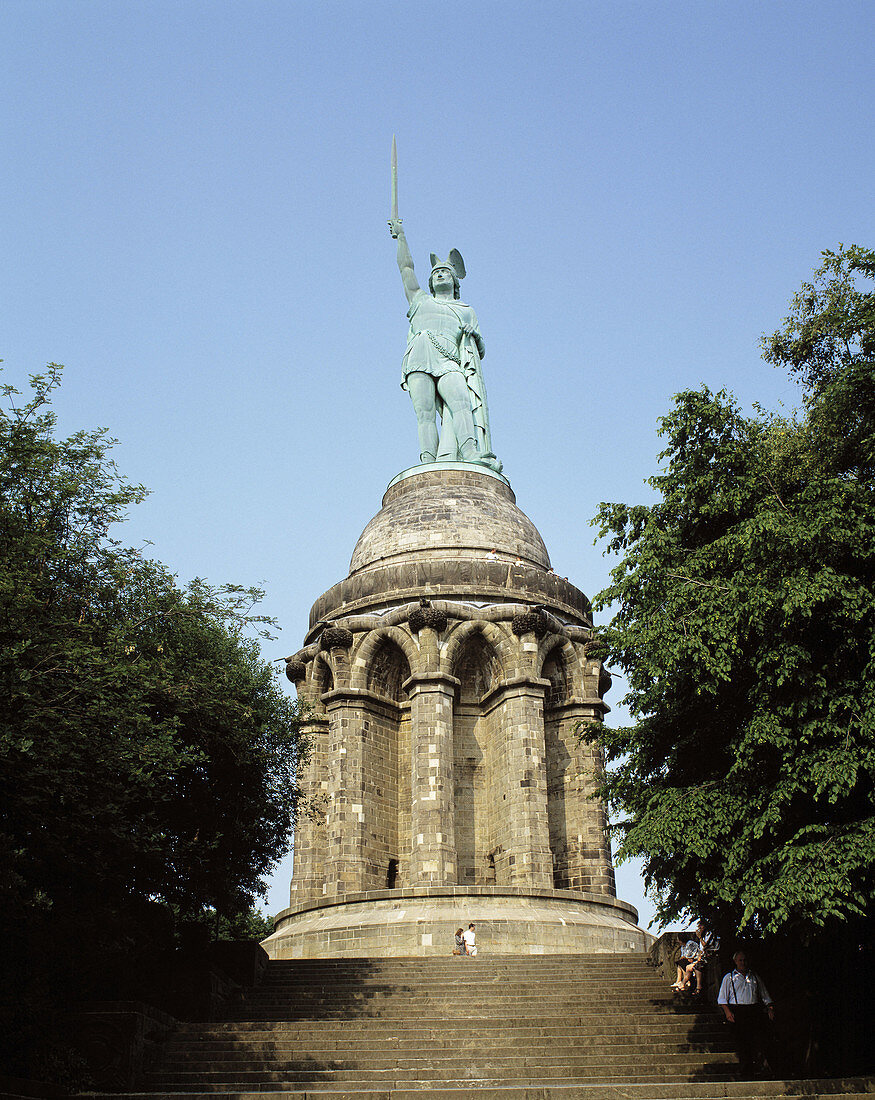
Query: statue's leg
(457, 399)
(421, 388)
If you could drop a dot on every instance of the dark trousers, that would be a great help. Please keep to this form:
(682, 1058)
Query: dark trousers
(751, 1034)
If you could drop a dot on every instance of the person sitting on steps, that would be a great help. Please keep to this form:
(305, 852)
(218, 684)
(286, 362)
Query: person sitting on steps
(708, 945)
(686, 962)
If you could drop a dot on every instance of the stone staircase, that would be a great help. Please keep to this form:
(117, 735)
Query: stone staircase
(545, 1027)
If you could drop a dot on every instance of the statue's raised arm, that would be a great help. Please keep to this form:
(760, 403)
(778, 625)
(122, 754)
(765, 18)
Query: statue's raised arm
(405, 260)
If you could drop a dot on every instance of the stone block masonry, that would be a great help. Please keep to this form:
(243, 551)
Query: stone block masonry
(447, 678)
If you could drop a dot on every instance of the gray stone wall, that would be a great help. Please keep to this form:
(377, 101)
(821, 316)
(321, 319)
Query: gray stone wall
(445, 731)
(410, 922)
(468, 773)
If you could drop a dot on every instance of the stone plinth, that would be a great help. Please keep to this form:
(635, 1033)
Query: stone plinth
(411, 922)
(448, 676)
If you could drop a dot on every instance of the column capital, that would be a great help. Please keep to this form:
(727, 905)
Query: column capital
(339, 697)
(515, 686)
(589, 707)
(422, 682)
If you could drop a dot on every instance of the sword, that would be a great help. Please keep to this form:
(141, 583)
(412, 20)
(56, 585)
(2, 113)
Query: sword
(393, 202)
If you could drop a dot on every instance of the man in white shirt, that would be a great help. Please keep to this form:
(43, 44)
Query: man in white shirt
(743, 996)
(468, 937)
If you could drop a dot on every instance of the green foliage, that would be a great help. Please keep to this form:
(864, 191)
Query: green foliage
(745, 623)
(828, 343)
(147, 753)
(831, 325)
(252, 924)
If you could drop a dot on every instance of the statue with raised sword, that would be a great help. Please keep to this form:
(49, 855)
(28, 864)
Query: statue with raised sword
(441, 368)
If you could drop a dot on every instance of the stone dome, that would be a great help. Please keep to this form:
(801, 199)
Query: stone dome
(457, 510)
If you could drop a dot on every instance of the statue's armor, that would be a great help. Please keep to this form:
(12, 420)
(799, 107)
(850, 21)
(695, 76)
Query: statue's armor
(435, 331)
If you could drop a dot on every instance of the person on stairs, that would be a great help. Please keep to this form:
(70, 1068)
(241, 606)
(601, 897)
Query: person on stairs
(686, 962)
(708, 944)
(470, 941)
(749, 1011)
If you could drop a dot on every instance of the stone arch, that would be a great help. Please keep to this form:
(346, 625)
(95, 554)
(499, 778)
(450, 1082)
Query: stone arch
(562, 754)
(477, 668)
(380, 715)
(387, 670)
(323, 674)
(499, 639)
(473, 656)
(557, 662)
(372, 643)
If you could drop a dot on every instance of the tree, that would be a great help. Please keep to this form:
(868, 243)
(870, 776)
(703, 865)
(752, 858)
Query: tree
(147, 753)
(745, 624)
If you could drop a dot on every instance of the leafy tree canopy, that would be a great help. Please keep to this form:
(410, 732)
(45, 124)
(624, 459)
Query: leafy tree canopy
(147, 753)
(745, 623)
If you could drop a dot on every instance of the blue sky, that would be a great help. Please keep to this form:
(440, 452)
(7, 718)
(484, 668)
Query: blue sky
(195, 199)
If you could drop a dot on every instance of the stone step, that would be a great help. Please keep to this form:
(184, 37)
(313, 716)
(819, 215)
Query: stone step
(454, 988)
(849, 1089)
(464, 974)
(435, 1040)
(486, 959)
(459, 967)
(469, 972)
(420, 1001)
(614, 1087)
(395, 962)
(351, 1089)
(480, 964)
(483, 964)
(536, 1067)
(524, 1017)
(436, 1036)
(597, 998)
(368, 1048)
(393, 1011)
(433, 1051)
(423, 1060)
(571, 1041)
(451, 988)
(649, 995)
(346, 1030)
(533, 1023)
(446, 1027)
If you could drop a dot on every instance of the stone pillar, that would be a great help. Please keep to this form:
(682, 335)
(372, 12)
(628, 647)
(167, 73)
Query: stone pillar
(521, 728)
(345, 865)
(433, 851)
(310, 831)
(586, 859)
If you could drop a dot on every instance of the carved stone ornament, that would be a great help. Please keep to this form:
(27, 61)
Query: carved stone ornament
(532, 622)
(335, 637)
(427, 616)
(296, 671)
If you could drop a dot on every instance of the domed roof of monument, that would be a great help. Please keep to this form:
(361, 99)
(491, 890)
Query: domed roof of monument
(449, 510)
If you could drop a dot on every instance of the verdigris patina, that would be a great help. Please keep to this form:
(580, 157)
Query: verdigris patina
(441, 366)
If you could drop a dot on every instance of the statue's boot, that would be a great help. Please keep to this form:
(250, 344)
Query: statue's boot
(427, 456)
(469, 452)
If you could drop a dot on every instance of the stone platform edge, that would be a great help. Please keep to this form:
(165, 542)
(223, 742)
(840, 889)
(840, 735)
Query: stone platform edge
(626, 911)
(421, 921)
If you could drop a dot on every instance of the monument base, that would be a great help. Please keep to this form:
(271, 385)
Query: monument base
(423, 921)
